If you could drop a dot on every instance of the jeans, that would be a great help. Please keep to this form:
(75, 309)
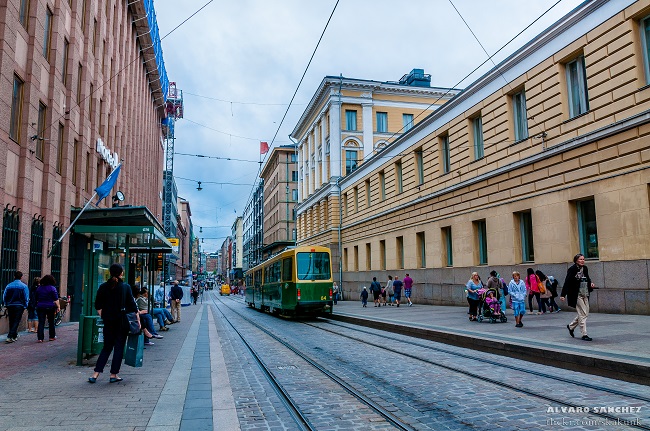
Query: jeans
(554, 304)
(503, 303)
(15, 313)
(114, 340)
(147, 323)
(49, 314)
(162, 314)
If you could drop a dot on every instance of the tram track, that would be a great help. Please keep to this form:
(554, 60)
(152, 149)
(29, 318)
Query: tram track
(483, 378)
(292, 407)
(574, 406)
(586, 385)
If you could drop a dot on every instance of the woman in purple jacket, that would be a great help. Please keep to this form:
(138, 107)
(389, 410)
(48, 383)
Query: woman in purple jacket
(47, 305)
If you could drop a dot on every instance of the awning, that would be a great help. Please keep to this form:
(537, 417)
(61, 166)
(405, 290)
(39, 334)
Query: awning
(129, 227)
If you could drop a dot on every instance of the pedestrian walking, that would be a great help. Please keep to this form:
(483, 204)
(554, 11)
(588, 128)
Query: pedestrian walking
(335, 292)
(16, 299)
(544, 296)
(408, 285)
(364, 296)
(532, 285)
(494, 282)
(375, 288)
(552, 286)
(32, 317)
(176, 294)
(47, 305)
(389, 290)
(382, 298)
(517, 292)
(397, 288)
(195, 294)
(576, 289)
(114, 299)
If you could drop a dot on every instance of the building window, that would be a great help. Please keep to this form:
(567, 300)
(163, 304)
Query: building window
(447, 246)
(368, 202)
(350, 120)
(526, 237)
(350, 161)
(24, 15)
(419, 166)
(40, 137)
(445, 155)
(382, 254)
(345, 204)
(16, 109)
(345, 259)
(9, 253)
(64, 66)
(481, 242)
(399, 252)
(398, 177)
(356, 199)
(382, 186)
(47, 34)
(520, 115)
(36, 250)
(294, 175)
(477, 128)
(576, 79)
(294, 158)
(87, 178)
(59, 150)
(56, 254)
(83, 16)
(407, 121)
(356, 257)
(382, 122)
(75, 161)
(645, 40)
(587, 230)
(294, 194)
(79, 70)
(368, 256)
(94, 41)
(420, 249)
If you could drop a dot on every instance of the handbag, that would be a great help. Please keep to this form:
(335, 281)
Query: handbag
(134, 354)
(130, 320)
(540, 286)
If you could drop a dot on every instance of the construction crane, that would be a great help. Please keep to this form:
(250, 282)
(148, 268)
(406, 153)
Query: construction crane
(174, 110)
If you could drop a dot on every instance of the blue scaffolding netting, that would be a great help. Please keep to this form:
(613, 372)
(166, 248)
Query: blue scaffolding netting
(157, 46)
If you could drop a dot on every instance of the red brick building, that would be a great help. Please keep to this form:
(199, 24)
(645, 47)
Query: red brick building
(82, 89)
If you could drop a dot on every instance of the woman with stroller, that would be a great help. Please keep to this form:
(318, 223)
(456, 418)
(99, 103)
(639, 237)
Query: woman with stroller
(494, 283)
(472, 287)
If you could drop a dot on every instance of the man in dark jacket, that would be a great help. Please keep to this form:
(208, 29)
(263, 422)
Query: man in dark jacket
(375, 288)
(577, 287)
(16, 298)
(176, 294)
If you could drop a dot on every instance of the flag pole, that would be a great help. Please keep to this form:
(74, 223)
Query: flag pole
(58, 241)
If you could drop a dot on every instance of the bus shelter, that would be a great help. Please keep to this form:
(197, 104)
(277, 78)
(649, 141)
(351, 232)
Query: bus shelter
(130, 236)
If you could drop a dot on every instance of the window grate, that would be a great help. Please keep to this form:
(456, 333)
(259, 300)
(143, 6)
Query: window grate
(36, 249)
(9, 252)
(56, 253)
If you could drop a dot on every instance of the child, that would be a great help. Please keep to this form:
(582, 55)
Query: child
(493, 303)
(364, 296)
(517, 291)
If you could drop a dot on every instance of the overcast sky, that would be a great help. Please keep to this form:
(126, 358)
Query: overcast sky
(238, 64)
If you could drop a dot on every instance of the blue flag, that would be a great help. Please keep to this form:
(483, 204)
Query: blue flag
(105, 189)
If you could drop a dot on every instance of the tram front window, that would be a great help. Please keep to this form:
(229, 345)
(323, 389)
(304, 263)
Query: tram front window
(313, 266)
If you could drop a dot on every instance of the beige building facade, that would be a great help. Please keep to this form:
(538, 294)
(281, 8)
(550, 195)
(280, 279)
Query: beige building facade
(543, 157)
(346, 123)
(280, 175)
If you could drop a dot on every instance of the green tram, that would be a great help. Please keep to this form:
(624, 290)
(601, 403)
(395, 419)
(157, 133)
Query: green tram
(297, 281)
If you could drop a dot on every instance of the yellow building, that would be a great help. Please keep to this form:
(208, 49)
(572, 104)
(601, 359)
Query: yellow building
(346, 122)
(543, 157)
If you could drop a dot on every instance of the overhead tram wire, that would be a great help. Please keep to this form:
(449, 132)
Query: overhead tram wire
(293, 97)
(238, 103)
(490, 57)
(222, 132)
(216, 157)
(137, 57)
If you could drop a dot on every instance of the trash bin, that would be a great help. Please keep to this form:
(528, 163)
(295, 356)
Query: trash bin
(93, 335)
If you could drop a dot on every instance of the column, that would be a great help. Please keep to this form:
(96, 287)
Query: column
(335, 137)
(301, 182)
(367, 131)
(310, 158)
(323, 155)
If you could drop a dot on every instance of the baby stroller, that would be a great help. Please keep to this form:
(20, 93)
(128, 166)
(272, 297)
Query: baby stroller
(484, 310)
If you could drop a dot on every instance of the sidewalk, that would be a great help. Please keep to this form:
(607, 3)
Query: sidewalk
(620, 347)
(43, 389)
